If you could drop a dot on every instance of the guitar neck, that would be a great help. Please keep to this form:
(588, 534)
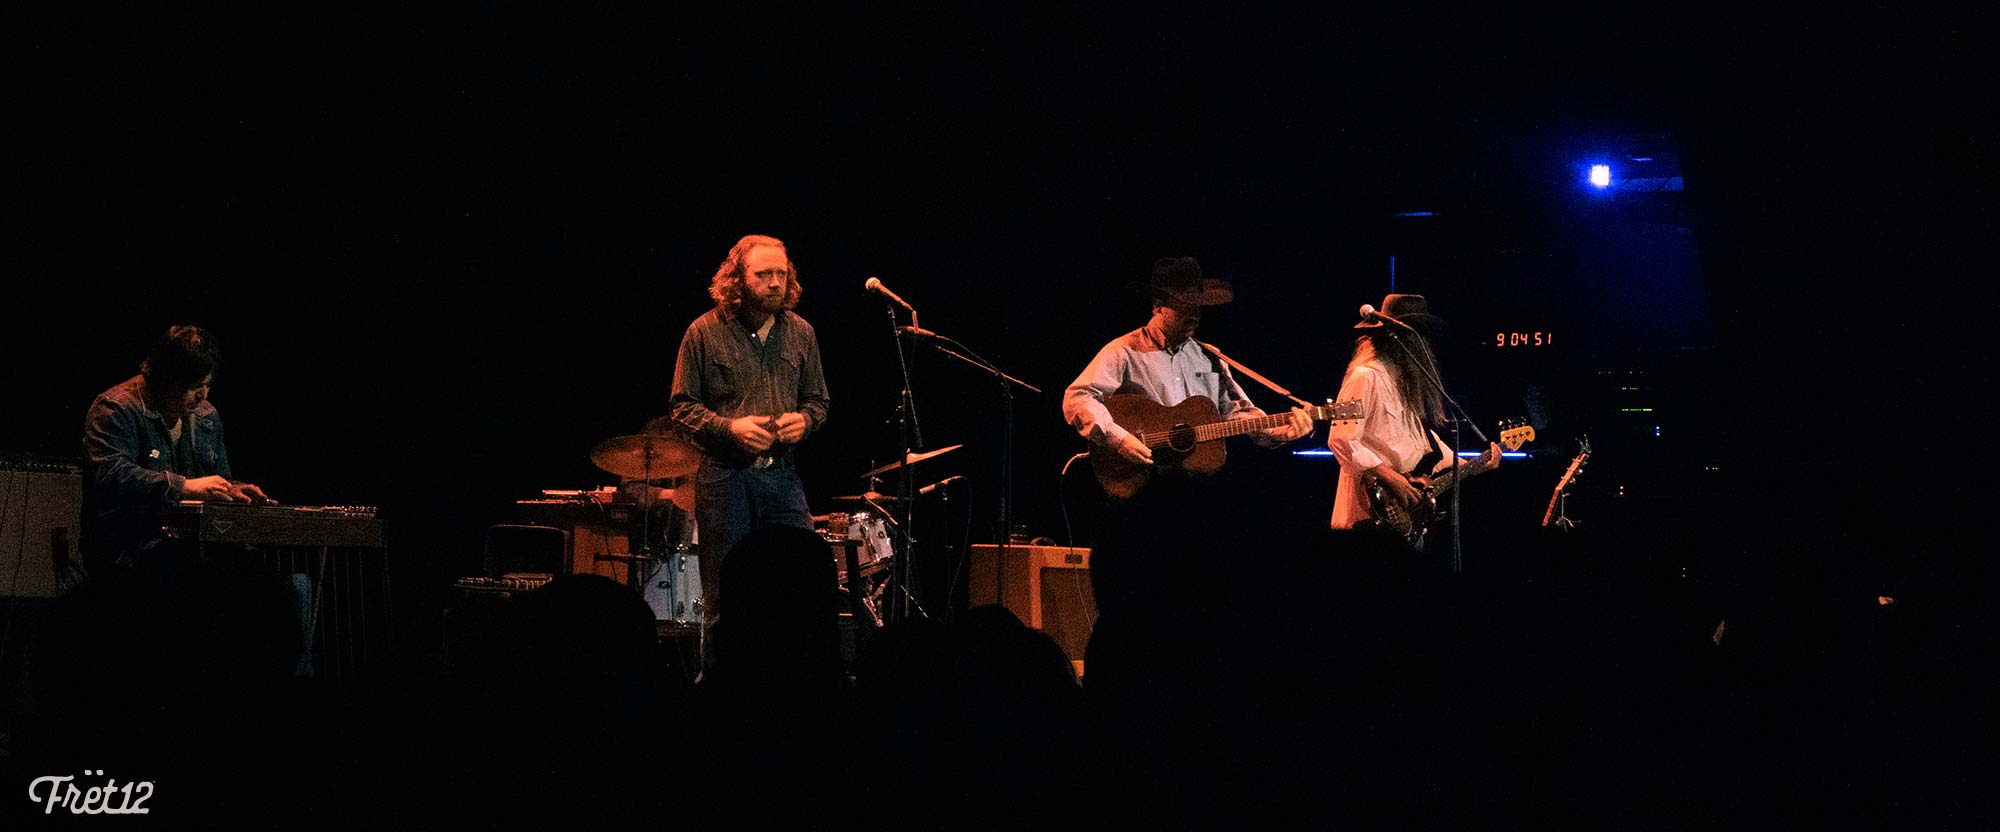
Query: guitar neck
(1556, 498)
(1238, 427)
(1443, 482)
(1510, 439)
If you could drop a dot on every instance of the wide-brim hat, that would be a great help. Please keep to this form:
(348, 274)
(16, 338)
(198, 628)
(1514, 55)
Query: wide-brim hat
(1179, 279)
(1412, 310)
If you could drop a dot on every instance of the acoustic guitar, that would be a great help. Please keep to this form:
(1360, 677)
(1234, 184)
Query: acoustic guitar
(1188, 436)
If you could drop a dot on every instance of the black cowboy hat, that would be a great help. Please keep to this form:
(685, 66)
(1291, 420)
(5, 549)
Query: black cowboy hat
(1412, 310)
(1179, 279)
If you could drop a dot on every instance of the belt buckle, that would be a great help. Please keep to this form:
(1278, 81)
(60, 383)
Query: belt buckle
(763, 461)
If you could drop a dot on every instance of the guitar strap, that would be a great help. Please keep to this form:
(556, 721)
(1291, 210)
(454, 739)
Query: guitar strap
(1214, 354)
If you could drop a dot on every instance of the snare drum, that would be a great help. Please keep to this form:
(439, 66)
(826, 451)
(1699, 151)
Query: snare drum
(873, 533)
(672, 587)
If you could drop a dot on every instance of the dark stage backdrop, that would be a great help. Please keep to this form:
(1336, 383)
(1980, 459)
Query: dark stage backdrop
(448, 253)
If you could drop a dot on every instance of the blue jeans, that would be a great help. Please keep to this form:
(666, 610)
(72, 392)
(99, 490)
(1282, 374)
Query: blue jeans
(731, 502)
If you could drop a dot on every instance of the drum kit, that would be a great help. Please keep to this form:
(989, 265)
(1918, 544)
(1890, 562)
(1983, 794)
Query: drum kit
(663, 462)
(662, 465)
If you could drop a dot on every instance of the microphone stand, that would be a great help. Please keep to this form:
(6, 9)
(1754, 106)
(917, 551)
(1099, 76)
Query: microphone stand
(1007, 385)
(1459, 418)
(912, 433)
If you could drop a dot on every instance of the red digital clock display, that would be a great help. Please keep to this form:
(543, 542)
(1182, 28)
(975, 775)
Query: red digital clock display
(1523, 339)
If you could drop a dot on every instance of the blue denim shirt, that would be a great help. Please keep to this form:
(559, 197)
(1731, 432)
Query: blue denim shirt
(135, 470)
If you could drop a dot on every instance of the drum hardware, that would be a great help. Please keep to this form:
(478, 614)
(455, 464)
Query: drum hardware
(869, 497)
(860, 579)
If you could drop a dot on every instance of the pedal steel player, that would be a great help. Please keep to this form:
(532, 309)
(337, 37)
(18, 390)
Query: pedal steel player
(152, 441)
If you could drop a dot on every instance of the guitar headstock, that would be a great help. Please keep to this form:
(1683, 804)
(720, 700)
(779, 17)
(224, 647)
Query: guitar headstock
(1575, 465)
(1516, 432)
(1344, 417)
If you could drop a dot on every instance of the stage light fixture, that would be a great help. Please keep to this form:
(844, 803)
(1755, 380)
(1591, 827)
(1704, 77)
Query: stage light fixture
(1600, 175)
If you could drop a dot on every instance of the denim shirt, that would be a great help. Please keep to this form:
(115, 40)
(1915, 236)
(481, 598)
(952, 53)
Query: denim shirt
(723, 372)
(135, 470)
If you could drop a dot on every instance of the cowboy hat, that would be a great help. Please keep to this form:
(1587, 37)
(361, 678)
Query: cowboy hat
(1410, 309)
(1179, 279)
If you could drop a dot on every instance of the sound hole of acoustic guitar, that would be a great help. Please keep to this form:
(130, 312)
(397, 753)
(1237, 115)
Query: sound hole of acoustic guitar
(1180, 438)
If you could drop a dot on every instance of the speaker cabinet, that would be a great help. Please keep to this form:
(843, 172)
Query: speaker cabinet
(41, 515)
(1048, 587)
(598, 536)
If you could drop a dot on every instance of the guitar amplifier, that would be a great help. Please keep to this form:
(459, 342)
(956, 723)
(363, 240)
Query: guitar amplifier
(1048, 587)
(599, 533)
(41, 519)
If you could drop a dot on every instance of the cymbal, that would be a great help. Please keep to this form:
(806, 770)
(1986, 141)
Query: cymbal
(914, 459)
(646, 456)
(872, 496)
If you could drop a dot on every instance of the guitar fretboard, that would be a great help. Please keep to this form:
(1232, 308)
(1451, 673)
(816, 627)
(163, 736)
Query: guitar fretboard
(1237, 427)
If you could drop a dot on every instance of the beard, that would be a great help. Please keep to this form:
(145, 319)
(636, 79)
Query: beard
(766, 304)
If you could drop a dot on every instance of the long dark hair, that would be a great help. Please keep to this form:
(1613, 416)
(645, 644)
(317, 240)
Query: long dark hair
(1410, 359)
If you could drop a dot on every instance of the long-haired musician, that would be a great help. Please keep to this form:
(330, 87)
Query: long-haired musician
(748, 388)
(1393, 374)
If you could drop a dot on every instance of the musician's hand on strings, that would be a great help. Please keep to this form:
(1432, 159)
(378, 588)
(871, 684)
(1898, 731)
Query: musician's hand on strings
(791, 427)
(1489, 460)
(1299, 425)
(1399, 488)
(752, 433)
(213, 489)
(1134, 450)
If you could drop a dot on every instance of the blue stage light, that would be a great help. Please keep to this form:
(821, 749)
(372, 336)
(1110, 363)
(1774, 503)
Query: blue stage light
(1600, 175)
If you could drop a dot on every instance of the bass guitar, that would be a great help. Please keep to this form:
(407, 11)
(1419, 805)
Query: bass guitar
(1411, 523)
(1188, 436)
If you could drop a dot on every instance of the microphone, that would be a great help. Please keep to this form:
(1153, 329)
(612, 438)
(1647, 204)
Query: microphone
(874, 284)
(916, 330)
(1368, 313)
(939, 484)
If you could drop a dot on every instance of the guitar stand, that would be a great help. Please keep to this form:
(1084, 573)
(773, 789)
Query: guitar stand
(1562, 520)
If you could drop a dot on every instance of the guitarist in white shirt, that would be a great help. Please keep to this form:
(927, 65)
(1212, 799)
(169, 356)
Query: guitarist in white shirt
(1164, 362)
(1393, 374)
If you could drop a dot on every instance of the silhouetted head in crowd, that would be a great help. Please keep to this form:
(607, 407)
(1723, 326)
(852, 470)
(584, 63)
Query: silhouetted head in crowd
(782, 599)
(589, 647)
(127, 657)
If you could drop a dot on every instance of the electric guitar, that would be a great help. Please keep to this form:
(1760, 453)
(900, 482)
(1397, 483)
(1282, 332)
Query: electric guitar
(1188, 436)
(1411, 523)
(1555, 500)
